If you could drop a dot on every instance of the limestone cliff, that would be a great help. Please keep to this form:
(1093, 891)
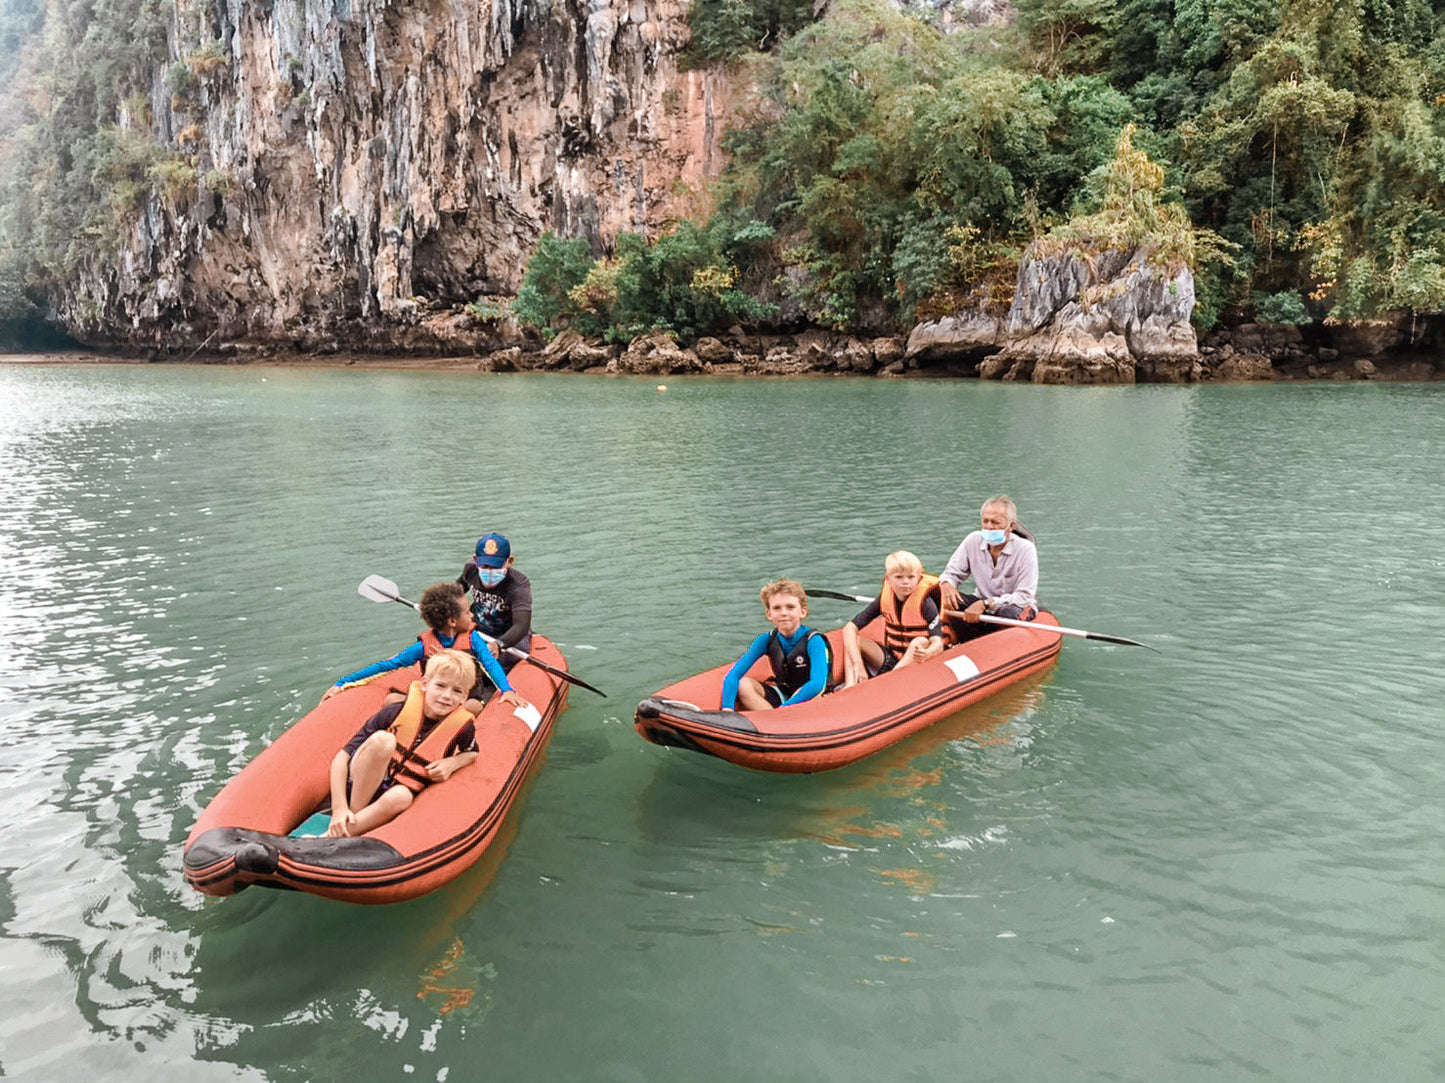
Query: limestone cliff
(1098, 319)
(365, 166)
(1107, 317)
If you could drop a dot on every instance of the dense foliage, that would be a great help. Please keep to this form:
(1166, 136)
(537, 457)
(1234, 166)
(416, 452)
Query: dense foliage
(1303, 142)
(728, 29)
(887, 170)
(684, 282)
(1309, 135)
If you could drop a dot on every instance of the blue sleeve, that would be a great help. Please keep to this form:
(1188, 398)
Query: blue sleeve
(490, 665)
(817, 671)
(740, 668)
(408, 657)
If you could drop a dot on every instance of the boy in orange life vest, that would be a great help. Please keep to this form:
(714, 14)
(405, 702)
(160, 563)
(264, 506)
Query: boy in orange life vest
(908, 604)
(449, 624)
(404, 748)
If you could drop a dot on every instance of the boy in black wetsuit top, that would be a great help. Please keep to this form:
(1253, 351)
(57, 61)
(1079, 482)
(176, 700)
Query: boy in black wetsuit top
(501, 598)
(908, 604)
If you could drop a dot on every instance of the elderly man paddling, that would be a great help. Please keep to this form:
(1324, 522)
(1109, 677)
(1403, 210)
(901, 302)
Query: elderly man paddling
(1005, 570)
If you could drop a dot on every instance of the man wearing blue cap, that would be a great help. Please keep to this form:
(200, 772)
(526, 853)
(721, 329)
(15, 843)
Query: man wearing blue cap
(501, 598)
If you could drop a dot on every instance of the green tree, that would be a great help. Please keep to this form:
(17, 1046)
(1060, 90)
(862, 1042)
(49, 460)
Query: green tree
(727, 29)
(557, 267)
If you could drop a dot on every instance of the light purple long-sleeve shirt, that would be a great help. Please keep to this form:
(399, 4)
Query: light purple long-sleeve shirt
(1014, 580)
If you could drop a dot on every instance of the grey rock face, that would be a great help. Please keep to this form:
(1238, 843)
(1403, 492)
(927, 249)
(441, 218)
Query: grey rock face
(1094, 318)
(1078, 318)
(362, 163)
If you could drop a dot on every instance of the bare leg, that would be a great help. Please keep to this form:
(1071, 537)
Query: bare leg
(914, 652)
(383, 810)
(872, 653)
(751, 696)
(368, 767)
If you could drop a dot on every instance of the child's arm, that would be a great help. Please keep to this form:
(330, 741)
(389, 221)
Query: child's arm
(406, 657)
(933, 641)
(853, 668)
(460, 753)
(755, 651)
(868, 614)
(493, 669)
(443, 769)
(852, 657)
(817, 671)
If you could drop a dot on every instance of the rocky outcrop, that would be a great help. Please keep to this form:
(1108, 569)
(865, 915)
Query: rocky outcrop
(1104, 318)
(1369, 338)
(1116, 318)
(964, 337)
(1096, 319)
(361, 165)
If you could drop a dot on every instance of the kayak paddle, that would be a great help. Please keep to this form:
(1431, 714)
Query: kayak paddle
(1059, 628)
(376, 589)
(990, 619)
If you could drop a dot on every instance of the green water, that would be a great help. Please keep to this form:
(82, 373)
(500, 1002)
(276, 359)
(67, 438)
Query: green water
(1220, 862)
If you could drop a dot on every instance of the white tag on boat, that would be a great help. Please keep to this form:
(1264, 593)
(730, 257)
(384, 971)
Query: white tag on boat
(963, 668)
(529, 715)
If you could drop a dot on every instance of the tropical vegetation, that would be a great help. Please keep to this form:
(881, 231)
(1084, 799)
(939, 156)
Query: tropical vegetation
(1294, 153)
(900, 171)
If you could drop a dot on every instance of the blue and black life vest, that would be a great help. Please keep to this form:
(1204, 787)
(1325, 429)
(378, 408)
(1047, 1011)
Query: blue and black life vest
(790, 668)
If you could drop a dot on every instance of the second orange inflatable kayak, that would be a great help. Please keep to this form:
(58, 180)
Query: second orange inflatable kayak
(842, 727)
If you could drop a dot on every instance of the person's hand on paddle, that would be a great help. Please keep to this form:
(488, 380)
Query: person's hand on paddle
(973, 612)
(342, 824)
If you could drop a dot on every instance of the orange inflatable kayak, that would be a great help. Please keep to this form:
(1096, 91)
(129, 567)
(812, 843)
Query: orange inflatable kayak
(242, 836)
(842, 727)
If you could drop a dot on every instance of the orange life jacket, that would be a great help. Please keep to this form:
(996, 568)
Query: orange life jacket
(431, 643)
(410, 758)
(902, 623)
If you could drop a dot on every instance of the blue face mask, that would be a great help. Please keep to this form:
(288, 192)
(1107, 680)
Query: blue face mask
(490, 577)
(993, 537)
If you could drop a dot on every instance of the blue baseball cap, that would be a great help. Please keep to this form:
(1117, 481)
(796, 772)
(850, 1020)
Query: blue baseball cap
(493, 551)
